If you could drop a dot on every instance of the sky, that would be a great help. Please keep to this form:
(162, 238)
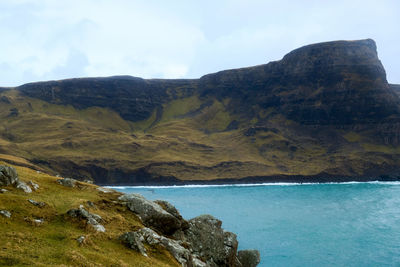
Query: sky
(52, 39)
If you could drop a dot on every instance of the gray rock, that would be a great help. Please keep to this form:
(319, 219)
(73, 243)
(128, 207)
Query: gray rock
(38, 221)
(134, 241)
(105, 190)
(168, 207)
(68, 182)
(211, 242)
(38, 204)
(249, 258)
(98, 228)
(81, 239)
(5, 213)
(3, 190)
(8, 175)
(152, 214)
(35, 186)
(91, 219)
(23, 186)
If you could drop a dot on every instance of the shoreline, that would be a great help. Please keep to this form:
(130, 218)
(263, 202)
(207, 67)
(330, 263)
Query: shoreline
(260, 180)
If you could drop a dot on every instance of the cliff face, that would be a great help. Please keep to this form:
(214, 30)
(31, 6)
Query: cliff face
(323, 111)
(332, 83)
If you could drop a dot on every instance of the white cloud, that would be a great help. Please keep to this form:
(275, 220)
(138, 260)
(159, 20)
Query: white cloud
(173, 39)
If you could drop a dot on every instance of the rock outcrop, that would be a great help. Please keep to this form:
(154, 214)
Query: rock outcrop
(152, 214)
(68, 182)
(201, 241)
(9, 176)
(209, 241)
(249, 258)
(91, 219)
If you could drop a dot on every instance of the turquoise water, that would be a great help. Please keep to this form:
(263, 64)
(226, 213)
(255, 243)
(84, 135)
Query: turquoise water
(354, 224)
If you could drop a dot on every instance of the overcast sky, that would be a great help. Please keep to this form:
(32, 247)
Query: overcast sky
(52, 39)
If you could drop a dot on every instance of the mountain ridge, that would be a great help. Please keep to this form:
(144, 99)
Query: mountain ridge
(324, 110)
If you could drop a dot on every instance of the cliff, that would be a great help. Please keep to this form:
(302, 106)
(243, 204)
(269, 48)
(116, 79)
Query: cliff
(324, 112)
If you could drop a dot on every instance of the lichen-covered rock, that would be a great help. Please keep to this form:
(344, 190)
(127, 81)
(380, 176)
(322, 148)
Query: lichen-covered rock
(152, 214)
(183, 255)
(23, 186)
(105, 190)
(91, 219)
(33, 185)
(168, 207)
(211, 242)
(5, 213)
(81, 239)
(68, 182)
(36, 203)
(249, 258)
(134, 241)
(8, 175)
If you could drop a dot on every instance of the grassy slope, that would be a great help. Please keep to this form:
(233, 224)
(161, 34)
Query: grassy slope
(182, 133)
(54, 243)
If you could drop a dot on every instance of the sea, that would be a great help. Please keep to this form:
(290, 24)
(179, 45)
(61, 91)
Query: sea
(331, 224)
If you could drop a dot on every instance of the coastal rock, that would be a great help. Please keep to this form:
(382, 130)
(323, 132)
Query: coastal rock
(23, 186)
(211, 242)
(249, 258)
(136, 239)
(5, 213)
(68, 182)
(8, 175)
(152, 214)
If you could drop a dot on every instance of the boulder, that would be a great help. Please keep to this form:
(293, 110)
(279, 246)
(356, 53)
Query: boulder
(210, 242)
(33, 185)
(3, 190)
(68, 182)
(5, 213)
(134, 241)
(152, 214)
(23, 186)
(183, 255)
(91, 219)
(81, 239)
(38, 204)
(249, 258)
(8, 175)
(105, 190)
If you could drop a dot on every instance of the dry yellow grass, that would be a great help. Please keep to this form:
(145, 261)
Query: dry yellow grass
(54, 242)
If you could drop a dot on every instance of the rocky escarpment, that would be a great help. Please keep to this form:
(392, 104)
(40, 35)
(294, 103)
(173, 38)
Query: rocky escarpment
(333, 83)
(133, 98)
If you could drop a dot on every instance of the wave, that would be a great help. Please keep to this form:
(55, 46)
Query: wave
(246, 185)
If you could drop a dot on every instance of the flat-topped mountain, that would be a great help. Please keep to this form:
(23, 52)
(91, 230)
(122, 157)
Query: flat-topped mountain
(324, 112)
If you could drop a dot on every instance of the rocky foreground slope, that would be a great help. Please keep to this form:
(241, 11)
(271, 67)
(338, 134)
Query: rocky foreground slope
(325, 112)
(62, 222)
